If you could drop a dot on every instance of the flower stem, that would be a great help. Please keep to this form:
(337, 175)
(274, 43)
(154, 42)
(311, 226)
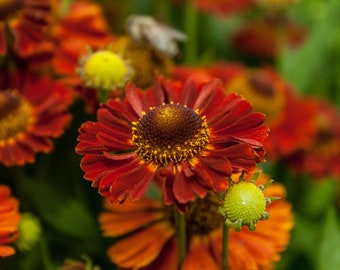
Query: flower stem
(45, 255)
(190, 27)
(225, 241)
(181, 235)
(102, 95)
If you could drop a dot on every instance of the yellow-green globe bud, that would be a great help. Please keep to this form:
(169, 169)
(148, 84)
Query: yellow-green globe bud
(244, 205)
(104, 70)
(29, 232)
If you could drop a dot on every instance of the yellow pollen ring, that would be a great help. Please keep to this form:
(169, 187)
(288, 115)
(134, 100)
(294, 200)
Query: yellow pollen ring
(15, 117)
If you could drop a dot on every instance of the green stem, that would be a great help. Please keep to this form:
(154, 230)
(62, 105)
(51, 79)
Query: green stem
(45, 255)
(163, 8)
(225, 241)
(181, 235)
(102, 95)
(190, 28)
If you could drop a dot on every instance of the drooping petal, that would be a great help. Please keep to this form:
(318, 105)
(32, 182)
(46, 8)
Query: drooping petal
(199, 255)
(145, 248)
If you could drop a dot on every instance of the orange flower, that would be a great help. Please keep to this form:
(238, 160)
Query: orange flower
(146, 232)
(9, 220)
(33, 109)
(27, 21)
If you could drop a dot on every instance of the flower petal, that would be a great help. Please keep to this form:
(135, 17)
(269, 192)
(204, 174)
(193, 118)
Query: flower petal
(140, 249)
(199, 255)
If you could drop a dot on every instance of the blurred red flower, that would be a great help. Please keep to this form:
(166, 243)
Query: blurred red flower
(263, 38)
(26, 21)
(289, 117)
(322, 159)
(33, 109)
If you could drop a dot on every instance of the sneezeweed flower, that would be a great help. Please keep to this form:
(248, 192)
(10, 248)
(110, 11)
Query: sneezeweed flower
(104, 71)
(188, 137)
(265, 37)
(147, 234)
(244, 204)
(322, 159)
(9, 220)
(33, 111)
(26, 22)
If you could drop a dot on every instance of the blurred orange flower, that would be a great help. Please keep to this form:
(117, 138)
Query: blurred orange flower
(33, 109)
(9, 220)
(146, 232)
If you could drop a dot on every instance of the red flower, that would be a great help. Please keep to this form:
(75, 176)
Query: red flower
(322, 158)
(266, 36)
(33, 110)
(82, 27)
(147, 239)
(27, 21)
(9, 220)
(189, 137)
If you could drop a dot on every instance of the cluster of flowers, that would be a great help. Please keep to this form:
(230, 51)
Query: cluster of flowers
(190, 133)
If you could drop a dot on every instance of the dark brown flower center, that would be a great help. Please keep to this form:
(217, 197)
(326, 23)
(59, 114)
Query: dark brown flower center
(170, 133)
(203, 216)
(265, 94)
(261, 86)
(15, 115)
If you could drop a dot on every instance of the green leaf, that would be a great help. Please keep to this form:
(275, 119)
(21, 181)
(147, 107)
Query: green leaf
(72, 218)
(329, 248)
(68, 215)
(313, 68)
(304, 236)
(318, 196)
